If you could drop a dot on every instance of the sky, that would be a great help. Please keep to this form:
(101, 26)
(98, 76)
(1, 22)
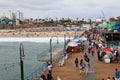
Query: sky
(62, 8)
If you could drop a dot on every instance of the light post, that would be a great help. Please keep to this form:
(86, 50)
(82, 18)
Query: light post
(64, 42)
(21, 60)
(50, 51)
(51, 48)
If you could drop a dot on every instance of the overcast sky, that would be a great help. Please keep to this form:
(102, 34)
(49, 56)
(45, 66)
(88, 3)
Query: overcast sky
(63, 8)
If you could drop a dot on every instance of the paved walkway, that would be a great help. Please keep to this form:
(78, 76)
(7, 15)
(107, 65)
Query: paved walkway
(68, 71)
(91, 71)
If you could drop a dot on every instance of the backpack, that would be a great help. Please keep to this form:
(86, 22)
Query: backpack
(87, 59)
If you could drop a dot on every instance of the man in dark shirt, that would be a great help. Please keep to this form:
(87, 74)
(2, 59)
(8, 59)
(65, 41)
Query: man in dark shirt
(49, 76)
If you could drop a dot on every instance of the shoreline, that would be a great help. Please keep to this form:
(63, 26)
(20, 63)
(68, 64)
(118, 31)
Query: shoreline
(32, 39)
(38, 36)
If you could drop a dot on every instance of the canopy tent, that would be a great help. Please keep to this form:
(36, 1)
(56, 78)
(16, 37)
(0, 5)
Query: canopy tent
(111, 26)
(76, 40)
(107, 50)
(104, 25)
(117, 26)
(72, 44)
(83, 38)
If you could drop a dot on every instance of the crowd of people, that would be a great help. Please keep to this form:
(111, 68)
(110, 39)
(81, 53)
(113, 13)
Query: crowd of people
(99, 44)
(107, 53)
(84, 64)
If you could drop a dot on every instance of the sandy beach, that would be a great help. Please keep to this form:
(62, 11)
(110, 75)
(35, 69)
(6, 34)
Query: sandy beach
(8, 33)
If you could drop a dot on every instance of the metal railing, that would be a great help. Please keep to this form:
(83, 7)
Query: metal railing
(45, 52)
(36, 72)
(43, 67)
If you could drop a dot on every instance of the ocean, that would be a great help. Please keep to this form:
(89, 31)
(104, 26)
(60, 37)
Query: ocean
(10, 56)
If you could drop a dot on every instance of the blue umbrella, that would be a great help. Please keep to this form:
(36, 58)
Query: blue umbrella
(83, 38)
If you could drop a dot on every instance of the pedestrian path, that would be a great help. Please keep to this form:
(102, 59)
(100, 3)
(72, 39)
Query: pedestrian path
(91, 71)
(69, 71)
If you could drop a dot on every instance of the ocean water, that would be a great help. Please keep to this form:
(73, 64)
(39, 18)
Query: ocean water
(10, 58)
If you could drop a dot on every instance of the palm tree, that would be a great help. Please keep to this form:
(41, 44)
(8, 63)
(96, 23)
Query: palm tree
(112, 19)
(118, 18)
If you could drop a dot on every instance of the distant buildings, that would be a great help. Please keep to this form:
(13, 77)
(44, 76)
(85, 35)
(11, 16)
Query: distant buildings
(11, 17)
(19, 17)
(15, 18)
(100, 20)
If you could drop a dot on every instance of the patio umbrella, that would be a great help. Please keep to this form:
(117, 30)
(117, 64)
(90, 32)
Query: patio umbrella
(83, 38)
(104, 25)
(111, 26)
(72, 44)
(107, 50)
(117, 26)
(76, 40)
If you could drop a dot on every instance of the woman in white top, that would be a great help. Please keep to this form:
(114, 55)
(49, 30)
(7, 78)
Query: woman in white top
(49, 67)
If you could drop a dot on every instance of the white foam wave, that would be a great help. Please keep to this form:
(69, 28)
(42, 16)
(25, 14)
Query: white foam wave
(32, 39)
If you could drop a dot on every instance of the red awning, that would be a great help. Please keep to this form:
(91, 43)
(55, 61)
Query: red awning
(107, 50)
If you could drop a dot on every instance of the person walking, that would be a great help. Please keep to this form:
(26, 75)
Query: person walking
(85, 55)
(43, 77)
(87, 64)
(117, 74)
(89, 49)
(113, 78)
(98, 54)
(76, 63)
(82, 66)
(93, 49)
(116, 56)
(49, 67)
(49, 76)
(108, 78)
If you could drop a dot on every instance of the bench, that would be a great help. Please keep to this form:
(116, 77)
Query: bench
(66, 56)
(61, 62)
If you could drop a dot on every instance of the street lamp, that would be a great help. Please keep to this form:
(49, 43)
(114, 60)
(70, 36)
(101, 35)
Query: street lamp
(51, 48)
(50, 51)
(21, 60)
(64, 42)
